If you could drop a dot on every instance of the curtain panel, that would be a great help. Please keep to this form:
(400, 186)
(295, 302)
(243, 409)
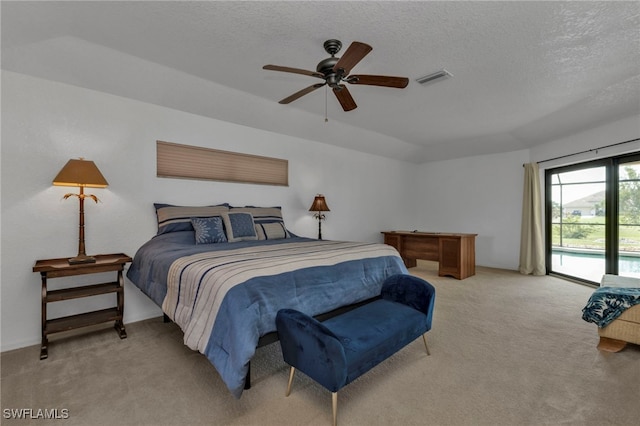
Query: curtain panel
(532, 258)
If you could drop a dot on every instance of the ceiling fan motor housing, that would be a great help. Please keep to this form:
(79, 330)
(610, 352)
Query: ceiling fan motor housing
(326, 68)
(326, 65)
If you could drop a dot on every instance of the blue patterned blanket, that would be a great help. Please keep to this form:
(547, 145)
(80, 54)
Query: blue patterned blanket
(608, 303)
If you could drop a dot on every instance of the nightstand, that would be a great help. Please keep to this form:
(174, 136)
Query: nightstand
(59, 268)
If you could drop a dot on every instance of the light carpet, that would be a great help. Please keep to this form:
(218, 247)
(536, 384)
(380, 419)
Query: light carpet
(506, 349)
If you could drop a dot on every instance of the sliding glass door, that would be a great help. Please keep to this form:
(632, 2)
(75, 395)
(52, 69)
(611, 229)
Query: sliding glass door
(578, 222)
(593, 219)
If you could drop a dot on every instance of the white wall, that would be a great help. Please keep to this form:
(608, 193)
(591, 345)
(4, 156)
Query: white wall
(483, 194)
(480, 195)
(613, 133)
(44, 124)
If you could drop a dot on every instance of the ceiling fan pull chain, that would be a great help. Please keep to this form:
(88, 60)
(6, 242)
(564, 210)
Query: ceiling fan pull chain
(326, 118)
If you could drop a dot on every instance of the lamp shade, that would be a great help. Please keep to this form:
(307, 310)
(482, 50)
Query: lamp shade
(80, 173)
(319, 204)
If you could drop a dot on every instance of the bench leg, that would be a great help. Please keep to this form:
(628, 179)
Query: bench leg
(334, 404)
(291, 373)
(424, 338)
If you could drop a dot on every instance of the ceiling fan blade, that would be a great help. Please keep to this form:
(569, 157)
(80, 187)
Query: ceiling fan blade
(351, 57)
(345, 98)
(379, 80)
(301, 93)
(293, 70)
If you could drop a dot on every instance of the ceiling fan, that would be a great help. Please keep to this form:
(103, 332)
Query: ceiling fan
(335, 72)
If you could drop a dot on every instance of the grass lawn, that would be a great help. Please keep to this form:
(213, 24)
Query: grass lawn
(593, 227)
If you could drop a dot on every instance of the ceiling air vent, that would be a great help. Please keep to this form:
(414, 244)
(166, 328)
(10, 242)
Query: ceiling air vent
(436, 76)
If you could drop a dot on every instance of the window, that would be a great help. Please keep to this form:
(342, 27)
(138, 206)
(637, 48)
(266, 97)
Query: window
(593, 219)
(193, 162)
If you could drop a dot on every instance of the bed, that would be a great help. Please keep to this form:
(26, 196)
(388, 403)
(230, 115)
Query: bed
(222, 273)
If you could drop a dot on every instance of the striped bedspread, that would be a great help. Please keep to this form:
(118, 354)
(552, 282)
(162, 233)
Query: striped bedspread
(225, 300)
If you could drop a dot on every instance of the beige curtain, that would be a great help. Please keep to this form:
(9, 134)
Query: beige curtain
(531, 236)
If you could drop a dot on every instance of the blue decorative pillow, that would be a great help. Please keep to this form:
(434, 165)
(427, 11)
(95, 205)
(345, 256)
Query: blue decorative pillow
(239, 226)
(209, 230)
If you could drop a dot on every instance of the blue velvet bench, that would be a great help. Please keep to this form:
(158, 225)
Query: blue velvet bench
(339, 350)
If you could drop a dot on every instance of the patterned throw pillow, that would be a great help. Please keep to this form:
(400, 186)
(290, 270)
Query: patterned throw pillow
(239, 226)
(209, 230)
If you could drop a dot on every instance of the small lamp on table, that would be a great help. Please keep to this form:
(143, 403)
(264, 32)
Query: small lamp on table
(319, 205)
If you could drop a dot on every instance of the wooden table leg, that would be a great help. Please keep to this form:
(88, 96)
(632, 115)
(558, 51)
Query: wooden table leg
(410, 263)
(122, 333)
(44, 353)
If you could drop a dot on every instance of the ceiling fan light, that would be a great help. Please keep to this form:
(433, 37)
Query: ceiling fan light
(433, 77)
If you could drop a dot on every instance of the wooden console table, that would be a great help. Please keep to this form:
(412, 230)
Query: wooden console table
(455, 253)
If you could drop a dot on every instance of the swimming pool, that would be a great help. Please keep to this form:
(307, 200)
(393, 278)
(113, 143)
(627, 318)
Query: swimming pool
(591, 266)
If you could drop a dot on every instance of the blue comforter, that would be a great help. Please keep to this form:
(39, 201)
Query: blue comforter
(608, 303)
(226, 324)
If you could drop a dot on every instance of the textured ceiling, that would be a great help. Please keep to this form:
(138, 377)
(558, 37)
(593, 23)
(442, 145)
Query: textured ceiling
(524, 73)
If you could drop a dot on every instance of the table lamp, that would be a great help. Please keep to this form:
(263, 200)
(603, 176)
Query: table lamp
(319, 205)
(81, 173)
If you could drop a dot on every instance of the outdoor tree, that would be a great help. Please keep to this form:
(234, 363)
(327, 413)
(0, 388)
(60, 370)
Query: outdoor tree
(629, 197)
(573, 229)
